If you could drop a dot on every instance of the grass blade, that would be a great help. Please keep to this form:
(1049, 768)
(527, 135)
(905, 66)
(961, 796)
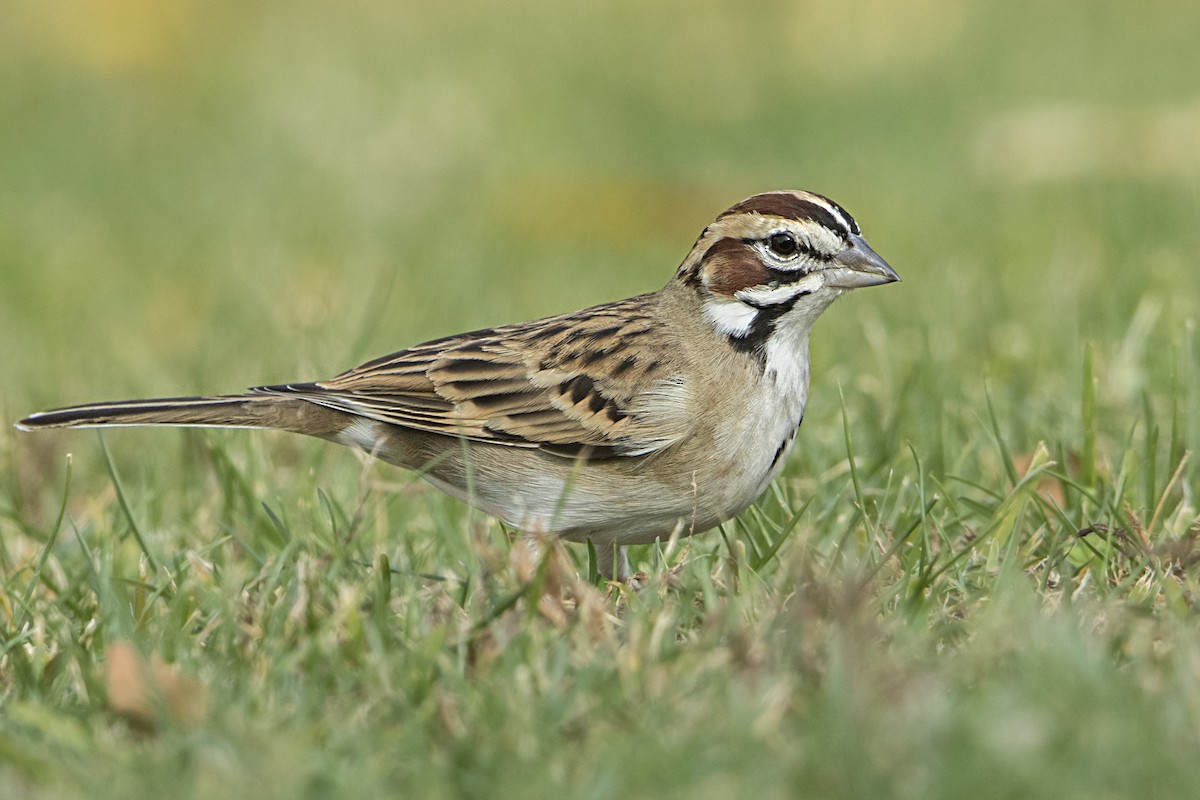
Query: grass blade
(123, 502)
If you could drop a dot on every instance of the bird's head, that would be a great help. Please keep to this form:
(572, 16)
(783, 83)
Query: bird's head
(778, 260)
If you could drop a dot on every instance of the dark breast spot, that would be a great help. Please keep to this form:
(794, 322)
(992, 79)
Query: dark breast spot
(783, 446)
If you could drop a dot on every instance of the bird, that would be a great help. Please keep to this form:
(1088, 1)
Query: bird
(625, 423)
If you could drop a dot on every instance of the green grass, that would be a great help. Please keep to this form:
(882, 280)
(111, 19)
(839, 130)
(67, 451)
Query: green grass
(976, 578)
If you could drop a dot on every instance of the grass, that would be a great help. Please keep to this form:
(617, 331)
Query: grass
(976, 577)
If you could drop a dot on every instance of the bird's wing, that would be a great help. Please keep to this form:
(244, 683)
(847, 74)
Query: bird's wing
(594, 384)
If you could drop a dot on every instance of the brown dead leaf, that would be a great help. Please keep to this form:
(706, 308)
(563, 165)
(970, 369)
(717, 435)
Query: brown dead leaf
(1050, 488)
(145, 691)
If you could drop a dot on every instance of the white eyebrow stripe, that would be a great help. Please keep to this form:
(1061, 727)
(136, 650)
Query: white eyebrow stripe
(834, 211)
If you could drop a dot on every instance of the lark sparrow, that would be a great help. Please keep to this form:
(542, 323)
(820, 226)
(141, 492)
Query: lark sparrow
(623, 423)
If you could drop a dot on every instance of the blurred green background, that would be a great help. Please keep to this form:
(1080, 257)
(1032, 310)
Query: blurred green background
(204, 195)
(201, 196)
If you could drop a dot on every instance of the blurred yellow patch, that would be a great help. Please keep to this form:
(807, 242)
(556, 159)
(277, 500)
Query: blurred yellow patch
(860, 40)
(1070, 140)
(115, 35)
(600, 208)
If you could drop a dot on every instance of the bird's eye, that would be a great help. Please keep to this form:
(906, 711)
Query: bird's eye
(783, 245)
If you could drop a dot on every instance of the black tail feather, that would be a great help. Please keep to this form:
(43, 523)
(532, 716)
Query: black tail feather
(237, 411)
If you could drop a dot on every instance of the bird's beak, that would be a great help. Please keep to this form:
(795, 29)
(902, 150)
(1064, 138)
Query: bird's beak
(858, 266)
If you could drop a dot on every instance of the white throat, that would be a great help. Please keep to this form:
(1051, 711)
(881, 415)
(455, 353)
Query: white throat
(786, 370)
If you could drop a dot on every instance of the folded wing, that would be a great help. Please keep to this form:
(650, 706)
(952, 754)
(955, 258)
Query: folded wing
(593, 384)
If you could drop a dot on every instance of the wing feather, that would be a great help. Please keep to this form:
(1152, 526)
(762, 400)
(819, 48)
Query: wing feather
(593, 384)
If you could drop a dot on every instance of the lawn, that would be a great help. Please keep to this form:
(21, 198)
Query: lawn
(977, 576)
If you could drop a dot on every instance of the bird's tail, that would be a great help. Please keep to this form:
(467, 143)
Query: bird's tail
(229, 411)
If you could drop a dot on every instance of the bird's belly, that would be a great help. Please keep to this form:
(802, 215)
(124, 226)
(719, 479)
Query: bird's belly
(620, 501)
(749, 469)
(624, 511)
